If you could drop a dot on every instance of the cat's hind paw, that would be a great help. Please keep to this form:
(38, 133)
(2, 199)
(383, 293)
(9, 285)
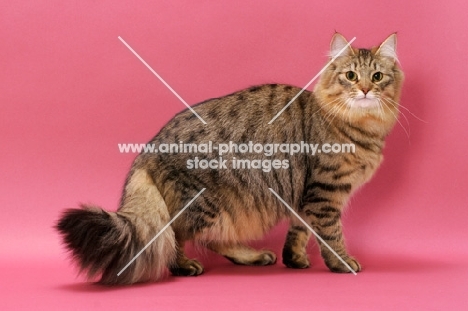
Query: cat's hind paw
(189, 267)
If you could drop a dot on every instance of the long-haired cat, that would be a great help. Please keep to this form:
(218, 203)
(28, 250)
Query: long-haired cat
(354, 102)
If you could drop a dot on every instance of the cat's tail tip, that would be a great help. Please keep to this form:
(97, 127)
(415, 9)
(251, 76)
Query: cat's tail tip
(103, 243)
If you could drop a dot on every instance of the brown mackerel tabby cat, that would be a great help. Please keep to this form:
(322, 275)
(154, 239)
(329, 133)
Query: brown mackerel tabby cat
(355, 101)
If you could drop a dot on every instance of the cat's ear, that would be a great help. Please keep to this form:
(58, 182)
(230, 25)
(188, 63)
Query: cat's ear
(388, 48)
(337, 44)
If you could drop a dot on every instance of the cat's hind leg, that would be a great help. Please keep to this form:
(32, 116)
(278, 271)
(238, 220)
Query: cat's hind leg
(243, 255)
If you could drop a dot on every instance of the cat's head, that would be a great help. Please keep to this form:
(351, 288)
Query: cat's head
(361, 83)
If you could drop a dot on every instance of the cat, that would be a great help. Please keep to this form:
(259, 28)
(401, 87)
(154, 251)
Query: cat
(355, 102)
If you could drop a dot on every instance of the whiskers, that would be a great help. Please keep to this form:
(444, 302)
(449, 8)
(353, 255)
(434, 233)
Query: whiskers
(385, 108)
(390, 102)
(337, 104)
(401, 106)
(383, 102)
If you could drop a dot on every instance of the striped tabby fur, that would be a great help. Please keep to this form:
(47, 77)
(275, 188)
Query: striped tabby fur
(360, 107)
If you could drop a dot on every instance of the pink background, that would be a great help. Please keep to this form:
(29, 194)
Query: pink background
(70, 91)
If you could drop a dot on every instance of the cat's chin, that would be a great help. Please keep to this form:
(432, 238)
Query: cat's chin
(367, 103)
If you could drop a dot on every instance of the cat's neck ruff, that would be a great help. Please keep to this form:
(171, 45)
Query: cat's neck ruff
(374, 120)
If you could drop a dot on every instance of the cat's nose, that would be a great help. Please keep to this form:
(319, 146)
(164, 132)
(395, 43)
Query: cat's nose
(365, 90)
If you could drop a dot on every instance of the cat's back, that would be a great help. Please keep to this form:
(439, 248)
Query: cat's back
(242, 115)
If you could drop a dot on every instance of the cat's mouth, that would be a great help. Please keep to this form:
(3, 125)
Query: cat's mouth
(364, 102)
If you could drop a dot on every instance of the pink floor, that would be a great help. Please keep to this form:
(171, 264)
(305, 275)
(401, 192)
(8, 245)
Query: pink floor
(70, 91)
(388, 282)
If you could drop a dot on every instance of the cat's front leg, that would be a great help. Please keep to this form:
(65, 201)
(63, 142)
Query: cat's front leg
(326, 221)
(295, 247)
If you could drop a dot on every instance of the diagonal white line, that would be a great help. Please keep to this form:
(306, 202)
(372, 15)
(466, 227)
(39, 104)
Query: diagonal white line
(161, 79)
(160, 232)
(311, 81)
(312, 230)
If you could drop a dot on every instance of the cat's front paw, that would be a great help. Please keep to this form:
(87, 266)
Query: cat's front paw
(295, 260)
(338, 267)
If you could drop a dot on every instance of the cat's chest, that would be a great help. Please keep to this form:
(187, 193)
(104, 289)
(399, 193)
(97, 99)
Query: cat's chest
(368, 164)
(357, 159)
(347, 169)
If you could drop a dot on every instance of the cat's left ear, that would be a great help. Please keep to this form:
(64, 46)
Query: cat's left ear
(388, 47)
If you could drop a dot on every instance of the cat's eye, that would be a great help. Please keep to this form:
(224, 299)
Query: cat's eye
(376, 77)
(351, 76)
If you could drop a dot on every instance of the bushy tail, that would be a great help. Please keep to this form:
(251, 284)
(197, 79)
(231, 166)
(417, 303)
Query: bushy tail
(104, 242)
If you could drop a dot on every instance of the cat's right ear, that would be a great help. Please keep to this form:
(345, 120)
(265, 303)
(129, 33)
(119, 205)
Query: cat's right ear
(337, 44)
